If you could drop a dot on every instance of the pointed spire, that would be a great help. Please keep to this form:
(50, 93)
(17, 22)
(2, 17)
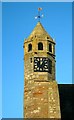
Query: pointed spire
(39, 32)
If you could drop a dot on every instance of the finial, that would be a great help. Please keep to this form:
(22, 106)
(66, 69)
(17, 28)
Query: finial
(39, 16)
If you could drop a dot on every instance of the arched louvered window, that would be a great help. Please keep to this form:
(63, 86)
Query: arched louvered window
(50, 47)
(29, 47)
(40, 46)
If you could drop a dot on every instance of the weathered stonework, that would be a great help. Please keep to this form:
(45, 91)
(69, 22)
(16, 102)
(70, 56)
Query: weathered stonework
(41, 97)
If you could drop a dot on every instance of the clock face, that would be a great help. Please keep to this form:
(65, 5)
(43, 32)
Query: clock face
(41, 64)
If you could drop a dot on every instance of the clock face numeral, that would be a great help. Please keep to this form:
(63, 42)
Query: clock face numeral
(42, 64)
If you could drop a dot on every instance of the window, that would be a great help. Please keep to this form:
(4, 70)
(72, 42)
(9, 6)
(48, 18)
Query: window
(29, 47)
(31, 60)
(40, 46)
(47, 37)
(50, 47)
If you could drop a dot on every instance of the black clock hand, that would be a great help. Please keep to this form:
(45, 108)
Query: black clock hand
(38, 63)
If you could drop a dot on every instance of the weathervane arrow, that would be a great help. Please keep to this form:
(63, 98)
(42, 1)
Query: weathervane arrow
(39, 16)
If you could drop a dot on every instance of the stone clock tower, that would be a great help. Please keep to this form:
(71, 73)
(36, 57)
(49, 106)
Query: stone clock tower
(41, 97)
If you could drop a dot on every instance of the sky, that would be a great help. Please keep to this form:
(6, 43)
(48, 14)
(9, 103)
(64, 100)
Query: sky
(17, 24)
(37, 0)
(0, 59)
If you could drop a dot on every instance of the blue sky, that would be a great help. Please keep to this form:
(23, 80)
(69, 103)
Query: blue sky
(0, 59)
(18, 22)
(37, 0)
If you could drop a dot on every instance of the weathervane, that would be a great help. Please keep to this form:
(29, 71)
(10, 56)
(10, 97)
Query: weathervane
(39, 16)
